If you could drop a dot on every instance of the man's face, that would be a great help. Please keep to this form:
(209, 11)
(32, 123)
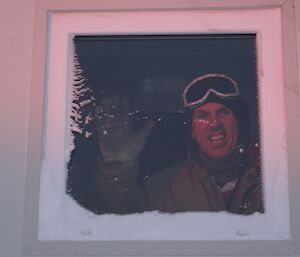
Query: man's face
(215, 129)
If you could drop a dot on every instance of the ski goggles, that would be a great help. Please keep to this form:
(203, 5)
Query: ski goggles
(197, 92)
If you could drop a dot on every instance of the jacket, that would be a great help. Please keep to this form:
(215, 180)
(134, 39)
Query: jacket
(184, 187)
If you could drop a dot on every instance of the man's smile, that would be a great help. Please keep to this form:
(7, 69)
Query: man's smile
(217, 139)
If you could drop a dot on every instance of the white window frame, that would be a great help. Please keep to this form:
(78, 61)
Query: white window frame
(50, 15)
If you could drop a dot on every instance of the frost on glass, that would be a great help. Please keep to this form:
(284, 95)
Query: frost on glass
(82, 100)
(81, 112)
(137, 145)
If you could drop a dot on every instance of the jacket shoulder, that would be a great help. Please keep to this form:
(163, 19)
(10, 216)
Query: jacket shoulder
(160, 183)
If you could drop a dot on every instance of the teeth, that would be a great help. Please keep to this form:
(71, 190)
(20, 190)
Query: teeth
(217, 137)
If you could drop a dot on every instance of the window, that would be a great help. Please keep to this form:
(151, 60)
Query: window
(59, 214)
(151, 72)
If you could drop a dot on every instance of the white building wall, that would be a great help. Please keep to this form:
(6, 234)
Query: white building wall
(16, 33)
(16, 47)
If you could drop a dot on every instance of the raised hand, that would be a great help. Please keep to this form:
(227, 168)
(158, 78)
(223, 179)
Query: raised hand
(117, 138)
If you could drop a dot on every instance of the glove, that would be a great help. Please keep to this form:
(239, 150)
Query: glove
(117, 138)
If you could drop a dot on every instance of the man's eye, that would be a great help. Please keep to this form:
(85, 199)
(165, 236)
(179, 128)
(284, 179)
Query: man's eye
(224, 111)
(201, 116)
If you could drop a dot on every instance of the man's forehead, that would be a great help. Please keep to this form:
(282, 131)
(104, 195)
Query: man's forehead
(211, 106)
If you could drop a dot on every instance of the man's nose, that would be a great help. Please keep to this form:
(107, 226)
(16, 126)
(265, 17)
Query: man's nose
(214, 122)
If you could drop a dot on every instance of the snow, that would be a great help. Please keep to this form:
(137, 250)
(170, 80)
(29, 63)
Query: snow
(63, 219)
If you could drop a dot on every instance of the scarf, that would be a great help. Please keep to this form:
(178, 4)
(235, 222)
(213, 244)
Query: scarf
(224, 169)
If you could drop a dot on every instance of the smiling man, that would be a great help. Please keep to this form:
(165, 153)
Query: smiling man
(215, 129)
(222, 171)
